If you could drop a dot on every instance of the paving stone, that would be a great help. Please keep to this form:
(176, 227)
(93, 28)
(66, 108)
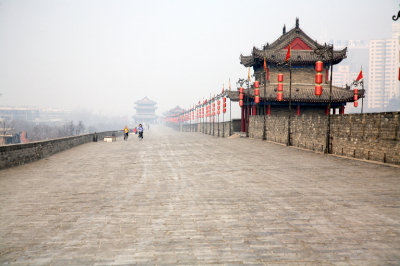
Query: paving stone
(189, 198)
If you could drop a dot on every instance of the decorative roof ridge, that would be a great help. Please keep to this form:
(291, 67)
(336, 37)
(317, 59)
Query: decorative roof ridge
(145, 100)
(285, 39)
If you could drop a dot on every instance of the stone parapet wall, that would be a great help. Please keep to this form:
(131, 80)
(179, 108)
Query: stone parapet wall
(17, 154)
(213, 128)
(373, 136)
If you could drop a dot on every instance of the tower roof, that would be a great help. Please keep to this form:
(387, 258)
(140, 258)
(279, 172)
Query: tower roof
(145, 100)
(302, 50)
(303, 93)
(174, 111)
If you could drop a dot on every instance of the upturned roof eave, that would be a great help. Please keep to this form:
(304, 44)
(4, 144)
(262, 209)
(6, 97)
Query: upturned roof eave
(339, 95)
(275, 52)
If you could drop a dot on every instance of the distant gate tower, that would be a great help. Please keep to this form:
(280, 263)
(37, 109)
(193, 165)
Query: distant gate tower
(145, 111)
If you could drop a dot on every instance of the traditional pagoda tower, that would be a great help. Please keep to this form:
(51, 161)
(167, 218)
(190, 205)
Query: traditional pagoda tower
(304, 54)
(171, 117)
(145, 111)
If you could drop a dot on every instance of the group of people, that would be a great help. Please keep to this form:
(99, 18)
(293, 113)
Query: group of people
(136, 130)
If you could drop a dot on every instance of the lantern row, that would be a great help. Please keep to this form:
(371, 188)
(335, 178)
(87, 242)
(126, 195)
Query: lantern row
(319, 66)
(206, 109)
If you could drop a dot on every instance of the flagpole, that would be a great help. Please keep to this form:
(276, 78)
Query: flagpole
(247, 106)
(328, 130)
(209, 114)
(213, 117)
(362, 99)
(289, 61)
(223, 120)
(202, 116)
(230, 115)
(218, 118)
(264, 137)
(223, 114)
(290, 100)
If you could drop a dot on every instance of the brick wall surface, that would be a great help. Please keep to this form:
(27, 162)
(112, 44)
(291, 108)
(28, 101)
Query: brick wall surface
(17, 154)
(372, 136)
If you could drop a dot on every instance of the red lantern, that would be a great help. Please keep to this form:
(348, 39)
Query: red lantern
(318, 78)
(256, 84)
(355, 94)
(355, 103)
(319, 66)
(257, 99)
(280, 96)
(280, 77)
(318, 90)
(280, 86)
(241, 96)
(256, 92)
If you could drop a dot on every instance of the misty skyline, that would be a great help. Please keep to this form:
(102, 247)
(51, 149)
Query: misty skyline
(103, 56)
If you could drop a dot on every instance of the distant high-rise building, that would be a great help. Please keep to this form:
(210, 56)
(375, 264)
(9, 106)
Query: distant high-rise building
(343, 76)
(345, 73)
(383, 70)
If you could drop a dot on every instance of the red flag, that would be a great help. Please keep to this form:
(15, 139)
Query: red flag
(287, 54)
(360, 76)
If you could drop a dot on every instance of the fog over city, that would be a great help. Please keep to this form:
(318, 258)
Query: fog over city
(101, 56)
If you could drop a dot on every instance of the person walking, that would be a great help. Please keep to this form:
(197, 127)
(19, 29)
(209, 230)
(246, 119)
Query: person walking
(126, 133)
(140, 130)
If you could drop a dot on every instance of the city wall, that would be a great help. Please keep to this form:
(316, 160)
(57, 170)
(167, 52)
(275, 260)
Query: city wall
(17, 154)
(373, 136)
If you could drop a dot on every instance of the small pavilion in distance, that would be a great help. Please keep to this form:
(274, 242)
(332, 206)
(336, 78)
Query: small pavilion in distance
(145, 111)
(303, 58)
(171, 117)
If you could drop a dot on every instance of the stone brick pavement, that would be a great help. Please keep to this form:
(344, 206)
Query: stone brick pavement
(188, 198)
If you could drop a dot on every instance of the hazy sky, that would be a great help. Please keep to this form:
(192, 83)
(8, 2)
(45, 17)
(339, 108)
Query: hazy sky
(104, 55)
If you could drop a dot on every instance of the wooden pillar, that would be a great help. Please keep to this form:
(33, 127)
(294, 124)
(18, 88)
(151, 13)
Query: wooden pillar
(327, 110)
(254, 110)
(269, 109)
(242, 121)
(326, 75)
(247, 114)
(298, 109)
